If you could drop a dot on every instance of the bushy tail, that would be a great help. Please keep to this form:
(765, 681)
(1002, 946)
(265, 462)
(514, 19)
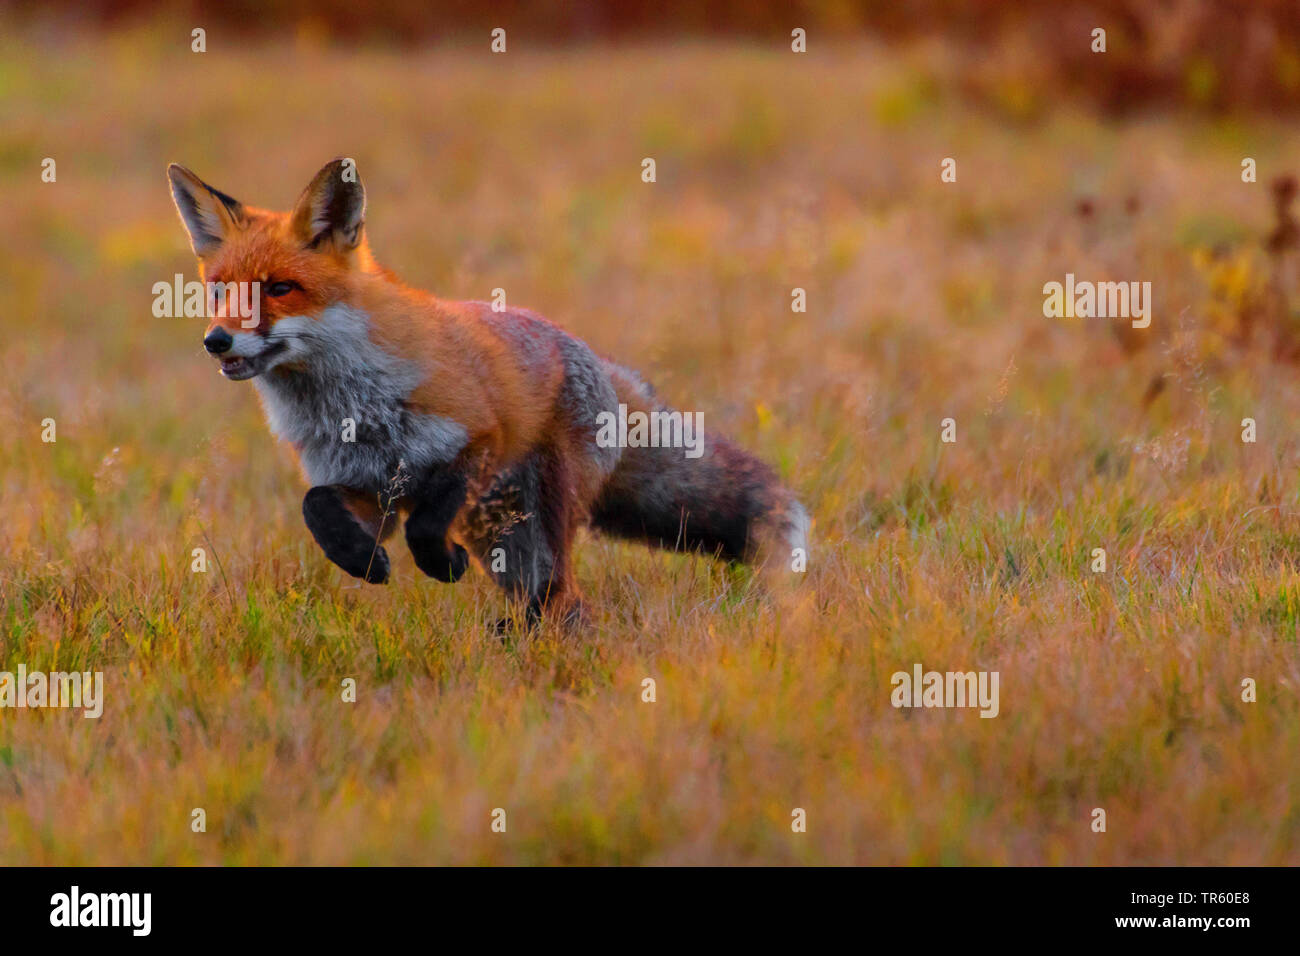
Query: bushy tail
(725, 503)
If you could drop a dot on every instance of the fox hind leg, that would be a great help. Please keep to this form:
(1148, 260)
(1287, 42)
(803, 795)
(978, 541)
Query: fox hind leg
(348, 526)
(559, 519)
(517, 531)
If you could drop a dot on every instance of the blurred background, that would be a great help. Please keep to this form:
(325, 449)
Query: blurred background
(776, 170)
(1213, 54)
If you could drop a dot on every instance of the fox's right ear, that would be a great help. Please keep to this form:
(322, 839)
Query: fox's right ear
(209, 215)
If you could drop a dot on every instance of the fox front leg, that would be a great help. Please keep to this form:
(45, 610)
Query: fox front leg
(348, 526)
(438, 499)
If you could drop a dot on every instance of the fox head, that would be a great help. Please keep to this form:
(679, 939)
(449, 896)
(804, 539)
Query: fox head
(302, 262)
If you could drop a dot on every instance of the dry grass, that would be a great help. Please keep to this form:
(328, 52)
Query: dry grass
(1118, 690)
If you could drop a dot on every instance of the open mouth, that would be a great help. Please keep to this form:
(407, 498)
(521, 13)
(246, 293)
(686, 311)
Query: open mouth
(239, 367)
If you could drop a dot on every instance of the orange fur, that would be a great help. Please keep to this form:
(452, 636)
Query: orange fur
(472, 375)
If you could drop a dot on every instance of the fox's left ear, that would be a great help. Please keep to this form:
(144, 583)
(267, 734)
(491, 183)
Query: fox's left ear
(332, 209)
(209, 215)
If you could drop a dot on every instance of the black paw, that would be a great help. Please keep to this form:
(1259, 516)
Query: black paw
(525, 625)
(459, 563)
(370, 564)
(441, 564)
(376, 571)
(526, 619)
(343, 540)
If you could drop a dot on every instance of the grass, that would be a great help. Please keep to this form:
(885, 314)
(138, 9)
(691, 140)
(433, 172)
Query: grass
(1119, 690)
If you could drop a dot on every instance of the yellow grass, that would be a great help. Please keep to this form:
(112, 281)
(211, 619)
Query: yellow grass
(1119, 690)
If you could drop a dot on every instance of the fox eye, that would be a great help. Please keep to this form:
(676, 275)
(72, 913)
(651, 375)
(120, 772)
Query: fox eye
(277, 289)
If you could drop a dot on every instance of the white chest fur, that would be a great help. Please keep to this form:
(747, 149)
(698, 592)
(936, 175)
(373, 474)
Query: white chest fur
(342, 402)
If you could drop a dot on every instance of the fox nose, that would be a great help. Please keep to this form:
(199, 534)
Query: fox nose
(218, 341)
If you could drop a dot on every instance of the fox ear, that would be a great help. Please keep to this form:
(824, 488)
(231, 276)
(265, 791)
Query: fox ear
(332, 209)
(209, 216)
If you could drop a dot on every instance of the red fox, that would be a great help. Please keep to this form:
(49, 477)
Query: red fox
(480, 426)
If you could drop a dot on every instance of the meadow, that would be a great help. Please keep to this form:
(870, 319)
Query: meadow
(1120, 689)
